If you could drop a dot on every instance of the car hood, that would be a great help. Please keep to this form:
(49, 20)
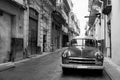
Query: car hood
(88, 52)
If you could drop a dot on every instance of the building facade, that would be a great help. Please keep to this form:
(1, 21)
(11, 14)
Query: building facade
(110, 12)
(30, 27)
(38, 35)
(74, 26)
(111, 27)
(58, 23)
(97, 22)
(11, 34)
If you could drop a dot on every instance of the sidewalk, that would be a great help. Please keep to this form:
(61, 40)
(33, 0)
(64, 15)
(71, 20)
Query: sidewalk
(8, 65)
(32, 57)
(5, 66)
(112, 69)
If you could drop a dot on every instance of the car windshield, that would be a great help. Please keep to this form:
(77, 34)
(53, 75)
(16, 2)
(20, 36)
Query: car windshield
(83, 42)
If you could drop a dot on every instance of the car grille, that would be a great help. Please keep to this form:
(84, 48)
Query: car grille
(75, 60)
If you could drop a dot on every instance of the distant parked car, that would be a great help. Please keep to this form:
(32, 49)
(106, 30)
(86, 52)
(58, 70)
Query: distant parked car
(82, 53)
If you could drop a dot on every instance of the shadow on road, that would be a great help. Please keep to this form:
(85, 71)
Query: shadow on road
(83, 73)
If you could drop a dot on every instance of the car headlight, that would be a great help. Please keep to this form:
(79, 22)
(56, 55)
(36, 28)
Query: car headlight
(65, 56)
(66, 53)
(99, 56)
(69, 53)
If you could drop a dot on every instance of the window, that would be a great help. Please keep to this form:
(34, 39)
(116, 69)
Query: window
(90, 43)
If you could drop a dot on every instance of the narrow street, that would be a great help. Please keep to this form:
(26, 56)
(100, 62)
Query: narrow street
(47, 68)
(33, 34)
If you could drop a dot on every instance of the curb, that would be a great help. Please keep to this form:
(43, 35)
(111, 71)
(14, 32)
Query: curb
(112, 69)
(32, 57)
(7, 65)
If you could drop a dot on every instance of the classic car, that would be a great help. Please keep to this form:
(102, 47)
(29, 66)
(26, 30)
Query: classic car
(82, 53)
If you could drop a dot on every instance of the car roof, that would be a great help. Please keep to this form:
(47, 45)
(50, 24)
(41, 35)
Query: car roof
(84, 37)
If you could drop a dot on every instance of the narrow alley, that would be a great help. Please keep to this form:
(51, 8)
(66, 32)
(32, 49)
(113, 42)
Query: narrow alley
(48, 68)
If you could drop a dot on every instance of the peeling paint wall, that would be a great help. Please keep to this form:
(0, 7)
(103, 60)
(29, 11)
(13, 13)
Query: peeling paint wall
(5, 34)
(11, 26)
(17, 20)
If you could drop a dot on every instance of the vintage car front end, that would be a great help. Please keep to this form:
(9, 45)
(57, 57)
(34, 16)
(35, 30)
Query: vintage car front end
(82, 62)
(82, 53)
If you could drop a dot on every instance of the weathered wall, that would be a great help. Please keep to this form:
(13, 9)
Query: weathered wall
(11, 26)
(115, 31)
(5, 34)
(17, 13)
(42, 24)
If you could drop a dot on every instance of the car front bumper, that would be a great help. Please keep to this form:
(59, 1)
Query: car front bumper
(79, 66)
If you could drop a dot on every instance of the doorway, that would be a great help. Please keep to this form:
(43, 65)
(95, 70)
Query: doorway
(32, 38)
